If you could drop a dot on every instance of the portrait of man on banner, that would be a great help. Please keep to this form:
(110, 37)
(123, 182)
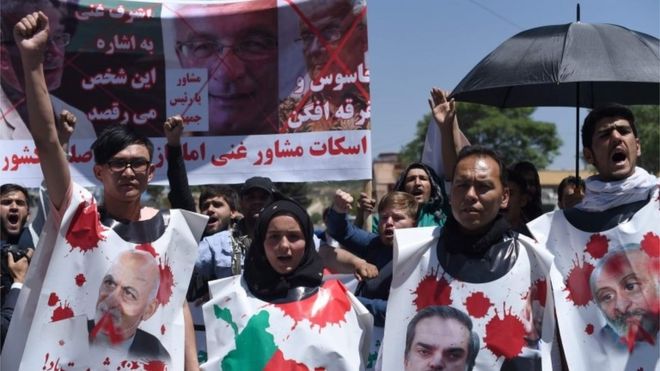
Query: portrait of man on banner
(237, 44)
(625, 287)
(334, 93)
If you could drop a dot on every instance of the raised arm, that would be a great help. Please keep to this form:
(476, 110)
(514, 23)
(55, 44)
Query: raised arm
(180, 195)
(453, 139)
(31, 35)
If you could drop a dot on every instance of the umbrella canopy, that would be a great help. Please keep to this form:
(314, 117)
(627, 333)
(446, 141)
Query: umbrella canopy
(543, 67)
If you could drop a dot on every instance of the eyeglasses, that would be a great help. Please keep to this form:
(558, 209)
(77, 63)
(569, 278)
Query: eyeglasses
(251, 49)
(138, 165)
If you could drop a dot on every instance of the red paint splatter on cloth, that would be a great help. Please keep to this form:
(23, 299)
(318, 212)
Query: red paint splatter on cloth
(589, 329)
(80, 279)
(597, 245)
(540, 291)
(154, 366)
(277, 363)
(577, 283)
(53, 299)
(166, 284)
(651, 244)
(328, 306)
(636, 333)
(477, 304)
(86, 229)
(63, 311)
(148, 248)
(431, 291)
(505, 337)
(162, 329)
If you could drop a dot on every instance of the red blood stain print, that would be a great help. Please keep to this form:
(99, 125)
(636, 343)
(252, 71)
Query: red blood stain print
(106, 324)
(277, 363)
(80, 279)
(651, 245)
(166, 284)
(63, 311)
(106, 362)
(86, 229)
(540, 291)
(589, 329)
(61, 342)
(431, 291)
(597, 245)
(53, 299)
(636, 333)
(328, 306)
(162, 329)
(477, 304)
(505, 336)
(577, 283)
(154, 366)
(148, 248)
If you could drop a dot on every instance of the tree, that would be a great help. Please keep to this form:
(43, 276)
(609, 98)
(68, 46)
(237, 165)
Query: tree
(510, 131)
(647, 121)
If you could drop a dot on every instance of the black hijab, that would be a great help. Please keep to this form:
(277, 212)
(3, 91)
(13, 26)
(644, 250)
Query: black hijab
(262, 280)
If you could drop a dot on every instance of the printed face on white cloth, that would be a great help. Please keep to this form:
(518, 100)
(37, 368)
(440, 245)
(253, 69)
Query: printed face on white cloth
(438, 344)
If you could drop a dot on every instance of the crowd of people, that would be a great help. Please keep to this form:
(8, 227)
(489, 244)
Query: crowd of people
(480, 229)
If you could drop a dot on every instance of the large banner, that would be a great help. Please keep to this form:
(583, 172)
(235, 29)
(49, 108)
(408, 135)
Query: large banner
(434, 318)
(607, 290)
(103, 296)
(275, 88)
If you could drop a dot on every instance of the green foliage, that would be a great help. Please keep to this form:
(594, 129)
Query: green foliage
(510, 131)
(647, 121)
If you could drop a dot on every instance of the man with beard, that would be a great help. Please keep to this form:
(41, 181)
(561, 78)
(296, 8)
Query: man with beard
(127, 296)
(14, 123)
(620, 207)
(625, 288)
(237, 44)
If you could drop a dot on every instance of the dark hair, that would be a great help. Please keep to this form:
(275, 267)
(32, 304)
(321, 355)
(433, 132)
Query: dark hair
(479, 151)
(11, 11)
(569, 180)
(114, 139)
(534, 207)
(445, 312)
(10, 187)
(598, 113)
(211, 191)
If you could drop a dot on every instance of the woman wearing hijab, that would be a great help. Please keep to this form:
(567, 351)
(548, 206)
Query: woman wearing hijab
(279, 314)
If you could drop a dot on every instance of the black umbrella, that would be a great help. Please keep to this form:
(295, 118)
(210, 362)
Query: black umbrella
(576, 64)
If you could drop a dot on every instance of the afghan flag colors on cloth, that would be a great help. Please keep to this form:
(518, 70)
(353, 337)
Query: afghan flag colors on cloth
(606, 289)
(329, 330)
(512, 316)
(88, 285)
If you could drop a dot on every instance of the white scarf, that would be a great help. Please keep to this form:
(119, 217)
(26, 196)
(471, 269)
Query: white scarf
(601, 195)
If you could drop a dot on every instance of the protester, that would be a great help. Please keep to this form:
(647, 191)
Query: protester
(237, 44)
(120, 223)
(534, 207)
(279, 299)
(474, 256)
(14, 232)
(396, 210)
(620, 207)
(518, 199)
(570, 192)
(14, 112)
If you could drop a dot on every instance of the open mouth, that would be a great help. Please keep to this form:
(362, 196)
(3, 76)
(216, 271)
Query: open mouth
(12, 218)
(285, 259)
(618, 156)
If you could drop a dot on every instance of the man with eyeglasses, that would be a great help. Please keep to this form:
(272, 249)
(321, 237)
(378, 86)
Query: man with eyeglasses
(84, 237)
(333, 38)
(237, 44)
(13, 111)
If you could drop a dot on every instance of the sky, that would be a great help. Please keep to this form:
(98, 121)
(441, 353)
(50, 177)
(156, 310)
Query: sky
(418, 44)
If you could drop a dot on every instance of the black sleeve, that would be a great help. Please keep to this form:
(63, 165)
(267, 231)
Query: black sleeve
(180, 195)
(7, 312)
